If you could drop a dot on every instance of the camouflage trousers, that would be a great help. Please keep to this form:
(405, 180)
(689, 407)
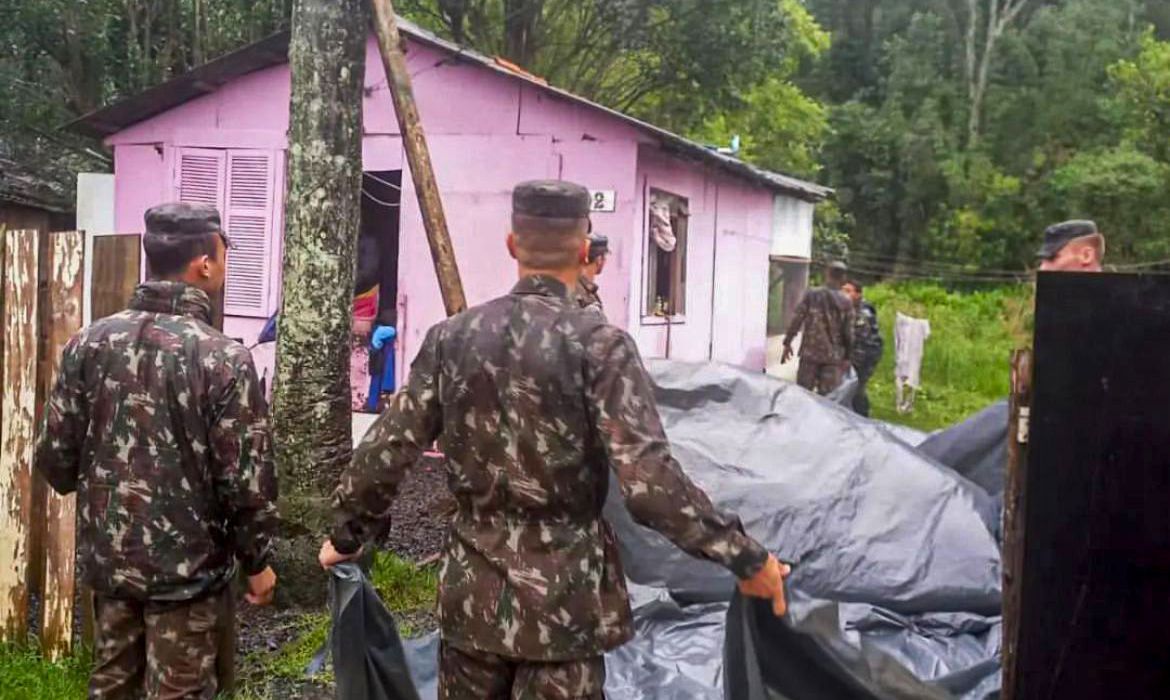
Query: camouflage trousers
(473, 675)
(171, 651)
(819, 377)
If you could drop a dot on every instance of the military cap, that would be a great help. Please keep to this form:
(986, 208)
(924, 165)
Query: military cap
(551, 199)
(1057, 236)
(183, 219)
(598, 246)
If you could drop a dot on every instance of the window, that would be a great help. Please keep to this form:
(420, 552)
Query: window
(666, 255)
(242, 185)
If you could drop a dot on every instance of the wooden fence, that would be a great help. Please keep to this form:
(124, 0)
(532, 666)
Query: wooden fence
(41, 307)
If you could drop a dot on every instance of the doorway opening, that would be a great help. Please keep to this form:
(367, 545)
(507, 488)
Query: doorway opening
(376, 288)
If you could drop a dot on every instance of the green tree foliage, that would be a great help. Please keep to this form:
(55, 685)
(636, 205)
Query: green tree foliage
(63, 58)
(1072, 122)
(713, 69)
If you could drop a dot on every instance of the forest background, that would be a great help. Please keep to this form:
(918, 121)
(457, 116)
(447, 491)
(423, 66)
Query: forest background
(952, 130)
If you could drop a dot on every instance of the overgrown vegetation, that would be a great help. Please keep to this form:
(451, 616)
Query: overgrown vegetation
(26, 675)
(966, 362)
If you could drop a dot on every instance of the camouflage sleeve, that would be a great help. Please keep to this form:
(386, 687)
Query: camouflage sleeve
(657, 492)
(244, 475)
(58, 452)
(798, 319)
(361, 503)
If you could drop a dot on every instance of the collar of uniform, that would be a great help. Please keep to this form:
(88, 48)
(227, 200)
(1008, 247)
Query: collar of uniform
(588, 286)
(174, 298)
(541, 285)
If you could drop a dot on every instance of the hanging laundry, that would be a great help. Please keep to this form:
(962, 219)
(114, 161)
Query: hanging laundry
(661, 227)
(910, 336)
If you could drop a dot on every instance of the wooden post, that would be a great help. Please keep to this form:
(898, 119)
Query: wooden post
(19, 391)
(1013, 513)
(66, 252)
(418, 156)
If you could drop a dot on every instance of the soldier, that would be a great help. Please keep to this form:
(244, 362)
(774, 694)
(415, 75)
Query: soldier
(158, 423)
(587, 283)
(825, 315)
(532, 399)
(867, 344)
(1072, 246)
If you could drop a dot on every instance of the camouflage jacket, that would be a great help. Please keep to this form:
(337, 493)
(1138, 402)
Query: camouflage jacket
(587, 296)
(532, 399)
(826, 318)
(867, 340)
(158, 423)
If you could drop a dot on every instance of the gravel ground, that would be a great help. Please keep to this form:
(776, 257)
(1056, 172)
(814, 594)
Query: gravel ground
(419, 515)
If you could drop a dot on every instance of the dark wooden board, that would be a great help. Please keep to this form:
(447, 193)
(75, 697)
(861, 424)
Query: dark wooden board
(1095, 600)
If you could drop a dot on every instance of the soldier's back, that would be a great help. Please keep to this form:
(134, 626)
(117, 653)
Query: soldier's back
(150, 525)
(530, 479)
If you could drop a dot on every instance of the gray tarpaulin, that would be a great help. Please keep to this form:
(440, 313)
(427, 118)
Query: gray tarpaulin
(896, 570)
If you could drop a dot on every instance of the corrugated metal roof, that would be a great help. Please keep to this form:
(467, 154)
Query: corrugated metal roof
(274, 51)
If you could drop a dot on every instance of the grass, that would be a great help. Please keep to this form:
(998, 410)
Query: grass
(967, 358)
(403, 586)
(26, 675)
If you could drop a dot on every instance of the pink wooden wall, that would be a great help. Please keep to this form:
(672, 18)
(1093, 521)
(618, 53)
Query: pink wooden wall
(486, 133)
(729, 235)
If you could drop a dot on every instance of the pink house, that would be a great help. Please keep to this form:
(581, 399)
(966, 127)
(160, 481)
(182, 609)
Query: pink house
(692, 231)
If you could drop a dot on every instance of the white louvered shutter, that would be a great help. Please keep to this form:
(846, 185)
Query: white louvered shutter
(248, 219)
(201, 176)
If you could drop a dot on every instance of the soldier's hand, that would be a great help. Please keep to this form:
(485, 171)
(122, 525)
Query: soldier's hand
(768, 583)
(261, 587)
(330, 557)
(787, 355)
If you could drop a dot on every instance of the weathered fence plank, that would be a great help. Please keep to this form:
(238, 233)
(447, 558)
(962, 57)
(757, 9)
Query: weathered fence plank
(117, 269)
(66, 253)
(19, 391)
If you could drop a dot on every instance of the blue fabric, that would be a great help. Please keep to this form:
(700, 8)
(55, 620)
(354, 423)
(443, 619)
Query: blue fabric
(381, 365)
(268, 335)
(381, 335)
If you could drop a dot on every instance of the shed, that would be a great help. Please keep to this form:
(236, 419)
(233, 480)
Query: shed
(218, 134)
(30, 201)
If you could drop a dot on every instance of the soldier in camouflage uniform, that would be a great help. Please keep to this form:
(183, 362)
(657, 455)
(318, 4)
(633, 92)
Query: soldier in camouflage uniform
(158, 423)
(867, 344)
(825, 315)
(586, 291)
(532, 398)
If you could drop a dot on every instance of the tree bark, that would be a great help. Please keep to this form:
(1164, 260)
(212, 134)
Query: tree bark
(521, 20)
(311, 406)
(999, 18)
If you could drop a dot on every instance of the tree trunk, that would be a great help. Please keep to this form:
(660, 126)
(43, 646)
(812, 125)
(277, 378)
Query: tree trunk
(521, 18)
(311, 407)
(999, 18)
(197, 33)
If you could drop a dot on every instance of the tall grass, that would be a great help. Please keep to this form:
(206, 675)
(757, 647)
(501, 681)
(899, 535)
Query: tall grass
(967, 358)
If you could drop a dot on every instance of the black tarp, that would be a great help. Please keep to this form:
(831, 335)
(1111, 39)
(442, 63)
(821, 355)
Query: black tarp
(369, 661)
(896, 580)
